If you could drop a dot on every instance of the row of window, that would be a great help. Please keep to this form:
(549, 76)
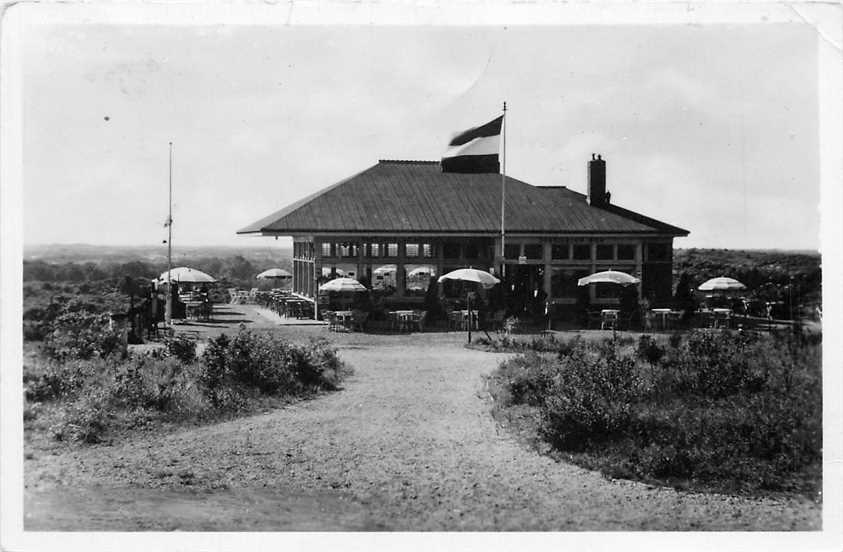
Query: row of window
(469, 250)
(450, 250)
(575, 251)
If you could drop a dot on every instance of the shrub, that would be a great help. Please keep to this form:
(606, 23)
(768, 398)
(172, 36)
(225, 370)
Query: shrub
(649, 350)
(46, 380)
(268, 364)
(528, 378)
(84, 420)
(181, 347)
(738, 410)
(589, 400)
(155, 384)
(81, 335)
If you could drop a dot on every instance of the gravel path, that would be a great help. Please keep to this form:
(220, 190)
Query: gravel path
(409, 444)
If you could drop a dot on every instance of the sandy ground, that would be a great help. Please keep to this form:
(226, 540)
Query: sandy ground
(408, 444)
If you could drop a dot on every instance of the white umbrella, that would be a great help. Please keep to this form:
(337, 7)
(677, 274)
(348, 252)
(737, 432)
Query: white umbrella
(471, 275)
(721, 284)
(274, 273)
(342, 284)
(188, 275)
(383, 270)
(608, 277)
(421, 271)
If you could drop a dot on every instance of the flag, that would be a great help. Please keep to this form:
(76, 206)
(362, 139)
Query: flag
(476, 150)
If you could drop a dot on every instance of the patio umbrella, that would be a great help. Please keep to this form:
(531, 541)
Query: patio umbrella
(342, 284)
(421, 271)
(608, 277)
(470, 275)
(721, 284)
(185, 274)
(274, 273)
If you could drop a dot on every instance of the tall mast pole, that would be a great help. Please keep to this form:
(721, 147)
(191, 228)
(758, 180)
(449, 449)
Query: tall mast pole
(503, 193)
(168, 312)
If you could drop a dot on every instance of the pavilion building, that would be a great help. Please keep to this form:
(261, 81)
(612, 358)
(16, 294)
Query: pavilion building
(398, 223)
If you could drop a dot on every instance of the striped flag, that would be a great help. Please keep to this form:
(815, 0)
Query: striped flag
(476, 150)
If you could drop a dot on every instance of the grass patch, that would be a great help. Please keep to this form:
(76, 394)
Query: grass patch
(732, 412)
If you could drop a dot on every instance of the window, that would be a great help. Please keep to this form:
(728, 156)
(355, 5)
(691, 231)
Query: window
(563, 281)
(605, 252)
(626, 252)
(512, 250)
(326, 249)
(560, 251)
(374, 250)
(417, 279)
(533, 251)
(412, 249)
(392, 250)
(451, 250)
(427, 250)
(346, 249)
(471, 251)
(383, 277)
(582, 251)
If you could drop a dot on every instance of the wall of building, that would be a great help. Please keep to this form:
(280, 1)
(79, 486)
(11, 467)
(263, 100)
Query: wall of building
(403, 266)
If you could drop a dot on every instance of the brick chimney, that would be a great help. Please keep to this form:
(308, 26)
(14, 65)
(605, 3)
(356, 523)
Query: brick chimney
(597, 194)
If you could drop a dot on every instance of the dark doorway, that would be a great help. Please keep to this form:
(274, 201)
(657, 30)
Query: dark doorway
(524, 290)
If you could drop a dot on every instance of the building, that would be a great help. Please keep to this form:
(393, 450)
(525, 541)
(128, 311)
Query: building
(398, 223)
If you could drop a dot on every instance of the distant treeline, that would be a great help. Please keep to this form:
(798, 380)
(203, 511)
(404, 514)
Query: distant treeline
(755, 269)
(236, 269)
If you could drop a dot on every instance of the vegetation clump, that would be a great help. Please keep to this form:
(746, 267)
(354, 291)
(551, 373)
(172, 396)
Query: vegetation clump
(84, 394)
(737, 412)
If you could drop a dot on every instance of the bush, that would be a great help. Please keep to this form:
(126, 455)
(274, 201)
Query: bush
(269, 365)
(85, 420)
(649, 350)
(81, 335)
(46, 380)
(589, 400)
(97, 395)
(181, 347)
(734, 410)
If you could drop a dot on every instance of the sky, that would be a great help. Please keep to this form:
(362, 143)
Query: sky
(713, 128)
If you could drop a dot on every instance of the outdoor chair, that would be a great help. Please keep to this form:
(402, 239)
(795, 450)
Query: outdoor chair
(594, 319)
(608, 320)
(331, 319)
(417, 320)
(358, 320)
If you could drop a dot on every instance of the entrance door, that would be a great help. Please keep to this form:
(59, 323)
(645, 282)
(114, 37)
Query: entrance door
(524, 289)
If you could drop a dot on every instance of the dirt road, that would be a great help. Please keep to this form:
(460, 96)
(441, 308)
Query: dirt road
(409, 444)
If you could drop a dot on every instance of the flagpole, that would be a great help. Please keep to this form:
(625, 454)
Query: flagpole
(168, 311)
(503, 192)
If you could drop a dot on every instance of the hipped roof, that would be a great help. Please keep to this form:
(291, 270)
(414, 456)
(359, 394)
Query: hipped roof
(416, 196)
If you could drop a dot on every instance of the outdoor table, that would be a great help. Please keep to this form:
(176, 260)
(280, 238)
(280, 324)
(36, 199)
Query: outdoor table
(398, 319)
(193, 309)
(343, 316)
(663, 314)
(723, 315)
(469, 321)
(608, 316)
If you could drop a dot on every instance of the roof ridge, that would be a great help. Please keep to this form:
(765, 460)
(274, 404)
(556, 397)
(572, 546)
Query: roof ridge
(408, 161)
